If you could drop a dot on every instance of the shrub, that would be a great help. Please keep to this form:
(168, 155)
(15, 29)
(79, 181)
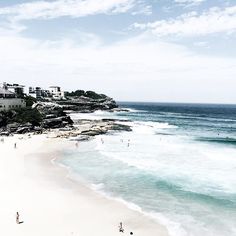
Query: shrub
(26, 115)
(30, 101)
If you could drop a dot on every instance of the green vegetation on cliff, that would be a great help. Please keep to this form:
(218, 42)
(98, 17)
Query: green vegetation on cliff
(30, 101)
(21, 116)
(89, 94)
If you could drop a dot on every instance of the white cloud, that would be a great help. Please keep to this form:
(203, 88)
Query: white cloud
(201, 44)
(72, 8)
(159, 71)
(143, 9)
(215, 20)
(195, 2)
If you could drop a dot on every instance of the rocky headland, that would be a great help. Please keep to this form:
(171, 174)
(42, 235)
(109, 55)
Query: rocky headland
(44, 116)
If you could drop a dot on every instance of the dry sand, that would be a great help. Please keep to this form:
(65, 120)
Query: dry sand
(51, 204)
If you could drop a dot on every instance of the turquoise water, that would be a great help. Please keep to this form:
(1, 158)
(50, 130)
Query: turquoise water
(178, 165)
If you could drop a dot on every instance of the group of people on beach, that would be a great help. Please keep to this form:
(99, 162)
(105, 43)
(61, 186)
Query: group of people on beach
(128, 143)
(121, 229)
(102, 141)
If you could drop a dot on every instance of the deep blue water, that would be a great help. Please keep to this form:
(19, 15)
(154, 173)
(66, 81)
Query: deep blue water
(217, 121)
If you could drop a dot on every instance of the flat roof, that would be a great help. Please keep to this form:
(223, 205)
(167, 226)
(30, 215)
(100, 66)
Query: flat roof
(5, 91)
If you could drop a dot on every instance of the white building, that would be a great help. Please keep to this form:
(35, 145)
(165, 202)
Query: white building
(39, 93)
(56, 92)
(8, 100)
(14, 88)
(35, 92)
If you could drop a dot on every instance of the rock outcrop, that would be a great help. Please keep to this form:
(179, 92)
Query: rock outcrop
(44, 116)
(86, 104)
(53, 115)
(84, 129)
(36, 119)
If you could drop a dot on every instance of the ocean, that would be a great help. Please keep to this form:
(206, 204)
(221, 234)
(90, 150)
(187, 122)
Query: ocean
(178, 165)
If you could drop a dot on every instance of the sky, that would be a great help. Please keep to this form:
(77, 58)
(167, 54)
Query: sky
(131, 50)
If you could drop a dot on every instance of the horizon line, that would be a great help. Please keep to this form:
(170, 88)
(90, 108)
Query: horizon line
(194, 103)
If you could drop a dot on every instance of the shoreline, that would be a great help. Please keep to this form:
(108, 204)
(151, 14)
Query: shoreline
(58, 204)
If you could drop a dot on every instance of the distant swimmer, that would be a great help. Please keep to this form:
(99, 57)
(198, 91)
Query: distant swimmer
(131, 233)
(121, 228)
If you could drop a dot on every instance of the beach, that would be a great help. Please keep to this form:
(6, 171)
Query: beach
(51, 203)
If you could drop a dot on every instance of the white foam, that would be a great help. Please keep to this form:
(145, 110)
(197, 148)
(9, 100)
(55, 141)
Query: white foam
(97, 187)
(196, 167)
(135, 110)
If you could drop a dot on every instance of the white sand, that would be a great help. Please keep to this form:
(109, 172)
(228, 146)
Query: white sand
(51, 204)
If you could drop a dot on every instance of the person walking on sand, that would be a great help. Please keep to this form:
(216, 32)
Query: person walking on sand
(14, 145)
(102, 141)
(17, 218)
(121, 228)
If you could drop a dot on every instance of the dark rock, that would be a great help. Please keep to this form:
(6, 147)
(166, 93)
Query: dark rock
(23, 130)
(52, 123)
(12, 127)
(81, 138)
(93, 132)
(4, 133)
(58, 122)
(120, 127)
(38, 129)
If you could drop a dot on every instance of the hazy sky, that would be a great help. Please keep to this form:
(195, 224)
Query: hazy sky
(133, 50)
